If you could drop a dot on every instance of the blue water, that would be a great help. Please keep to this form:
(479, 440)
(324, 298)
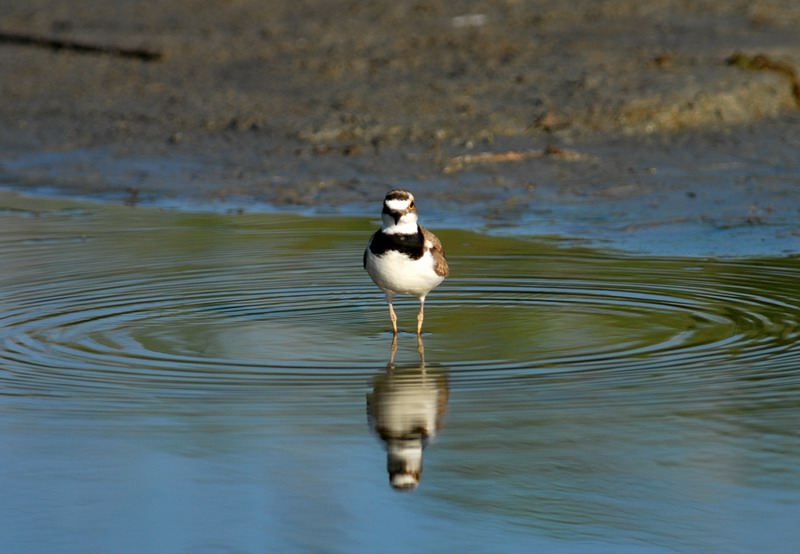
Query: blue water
(177, 381)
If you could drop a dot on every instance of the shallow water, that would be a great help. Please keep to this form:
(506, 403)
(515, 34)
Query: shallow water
(189, 382)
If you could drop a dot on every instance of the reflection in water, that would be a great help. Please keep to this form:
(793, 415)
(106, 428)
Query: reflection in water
(406, 408)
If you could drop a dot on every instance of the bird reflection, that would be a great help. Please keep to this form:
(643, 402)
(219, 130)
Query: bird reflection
(406, 408)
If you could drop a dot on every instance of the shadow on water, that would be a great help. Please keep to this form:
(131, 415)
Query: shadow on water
(196, 382)
(406, 409)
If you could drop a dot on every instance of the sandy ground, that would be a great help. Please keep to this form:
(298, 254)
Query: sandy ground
(681, 111)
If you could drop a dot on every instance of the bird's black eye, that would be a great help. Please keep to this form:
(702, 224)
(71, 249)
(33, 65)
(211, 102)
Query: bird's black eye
(411, 206)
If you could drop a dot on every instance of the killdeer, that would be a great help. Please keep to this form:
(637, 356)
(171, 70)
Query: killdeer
(403, 257)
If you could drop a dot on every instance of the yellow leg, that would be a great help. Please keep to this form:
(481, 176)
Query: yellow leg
(393, 317)
(420, 315)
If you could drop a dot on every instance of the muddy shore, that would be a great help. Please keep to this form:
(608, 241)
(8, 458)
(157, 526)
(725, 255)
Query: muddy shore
(547, 118)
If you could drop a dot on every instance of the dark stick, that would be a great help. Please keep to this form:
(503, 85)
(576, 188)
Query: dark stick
(81, 47)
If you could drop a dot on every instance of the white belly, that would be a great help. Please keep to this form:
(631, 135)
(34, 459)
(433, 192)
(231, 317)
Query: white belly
(396, 273)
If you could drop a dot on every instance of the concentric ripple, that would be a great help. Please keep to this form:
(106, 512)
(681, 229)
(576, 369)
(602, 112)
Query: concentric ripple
(656, 314)
(130, 305)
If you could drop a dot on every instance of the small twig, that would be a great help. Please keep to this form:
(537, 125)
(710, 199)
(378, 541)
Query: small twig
(458, 163)
(80, 47)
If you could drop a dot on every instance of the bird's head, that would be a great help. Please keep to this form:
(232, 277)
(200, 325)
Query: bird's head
(399, 212)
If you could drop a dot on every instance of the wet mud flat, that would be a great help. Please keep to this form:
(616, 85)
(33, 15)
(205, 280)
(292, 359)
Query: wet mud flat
(606, 401)
(530, 116)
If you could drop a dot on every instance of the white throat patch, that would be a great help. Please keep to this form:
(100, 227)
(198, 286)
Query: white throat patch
(406, 226)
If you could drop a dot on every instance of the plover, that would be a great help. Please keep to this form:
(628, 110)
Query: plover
(403, 257)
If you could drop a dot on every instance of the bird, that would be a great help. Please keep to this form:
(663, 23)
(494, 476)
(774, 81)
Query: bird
(403, 257)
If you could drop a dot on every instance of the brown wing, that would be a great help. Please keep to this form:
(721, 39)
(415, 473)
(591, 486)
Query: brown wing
(441, 267)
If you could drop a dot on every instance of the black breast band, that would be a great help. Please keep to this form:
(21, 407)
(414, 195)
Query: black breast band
(412, 246)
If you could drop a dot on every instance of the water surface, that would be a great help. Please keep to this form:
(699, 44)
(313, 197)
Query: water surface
(194, 382)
